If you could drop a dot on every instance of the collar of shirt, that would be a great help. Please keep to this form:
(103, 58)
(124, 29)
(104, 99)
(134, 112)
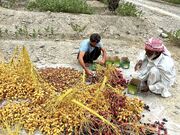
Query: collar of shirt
(156, 61)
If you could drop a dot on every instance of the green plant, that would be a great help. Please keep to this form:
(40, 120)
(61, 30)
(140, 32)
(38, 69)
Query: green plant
(72, 6)
(47, 29)
(34, 34)
(25, 31)
(174, 37)
(52, 31)
(39, 32)
(12, 3)
(173, 1)
(6, 31)
(21, 31)
(104, 1)
(77, 27)
(8, 4)
(31, 5)
(16, 34)
(128, 9)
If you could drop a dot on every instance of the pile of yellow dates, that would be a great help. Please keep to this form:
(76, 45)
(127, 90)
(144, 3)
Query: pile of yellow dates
(34, 105)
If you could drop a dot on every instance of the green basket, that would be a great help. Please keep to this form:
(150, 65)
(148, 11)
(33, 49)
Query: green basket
(108, 62)
(92, 67)
(117, 63)
(132, 89)
(125, 64)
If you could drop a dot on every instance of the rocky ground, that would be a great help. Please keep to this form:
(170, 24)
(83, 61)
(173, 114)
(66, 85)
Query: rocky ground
(54, 38)
(166, 16)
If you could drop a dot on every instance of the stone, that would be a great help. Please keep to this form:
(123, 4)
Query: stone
(111, 31)
(176, 112)
(48, 12)
(110, 50)
(42, 46)
(127, 32)
(54, 62)
(76, 47)
(57, 40)
(116, 36)
(11, 15)
(117, 52)
(177, 107)
(165, 120)
(74, 53)
(164, 35)
(35, 59)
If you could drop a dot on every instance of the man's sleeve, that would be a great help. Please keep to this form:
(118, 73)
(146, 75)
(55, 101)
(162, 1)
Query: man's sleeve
(83, 47)
(100, 45)
(141, 56)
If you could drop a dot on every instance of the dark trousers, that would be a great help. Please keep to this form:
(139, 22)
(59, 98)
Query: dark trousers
(89, 57)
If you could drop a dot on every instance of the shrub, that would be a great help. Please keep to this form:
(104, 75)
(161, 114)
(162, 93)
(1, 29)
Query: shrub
(174, 37)
(173, 1)
(71, 6)
(104, 1)
(32, 4)
(128, 9)
(8, 4)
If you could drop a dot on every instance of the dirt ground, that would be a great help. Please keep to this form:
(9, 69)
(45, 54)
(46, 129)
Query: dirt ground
(53, 39)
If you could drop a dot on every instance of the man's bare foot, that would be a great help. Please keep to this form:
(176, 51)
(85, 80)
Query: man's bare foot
(145, 88)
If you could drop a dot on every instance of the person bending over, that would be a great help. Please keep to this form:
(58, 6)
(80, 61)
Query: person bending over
(90, 49)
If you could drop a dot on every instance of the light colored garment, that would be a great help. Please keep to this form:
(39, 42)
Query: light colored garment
(159, 74)
(86, 47)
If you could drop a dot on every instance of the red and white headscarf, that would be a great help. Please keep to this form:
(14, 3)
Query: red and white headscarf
(155, 44)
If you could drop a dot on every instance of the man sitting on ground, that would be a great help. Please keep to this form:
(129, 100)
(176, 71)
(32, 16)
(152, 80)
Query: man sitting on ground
(90, 50)
(156, 70)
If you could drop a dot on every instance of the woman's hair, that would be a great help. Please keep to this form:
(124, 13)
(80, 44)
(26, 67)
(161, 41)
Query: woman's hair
(95, 38)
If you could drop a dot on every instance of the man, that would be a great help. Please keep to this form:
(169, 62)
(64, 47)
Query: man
(90, 50)
(156, 70)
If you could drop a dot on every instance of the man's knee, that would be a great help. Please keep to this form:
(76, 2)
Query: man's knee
(96, 53)
(154, 75)
(154, 70)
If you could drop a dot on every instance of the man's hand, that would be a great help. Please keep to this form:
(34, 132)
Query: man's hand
(138, 65)
(89, 72)
(104, 56)
(81, 61)
(102, 62)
